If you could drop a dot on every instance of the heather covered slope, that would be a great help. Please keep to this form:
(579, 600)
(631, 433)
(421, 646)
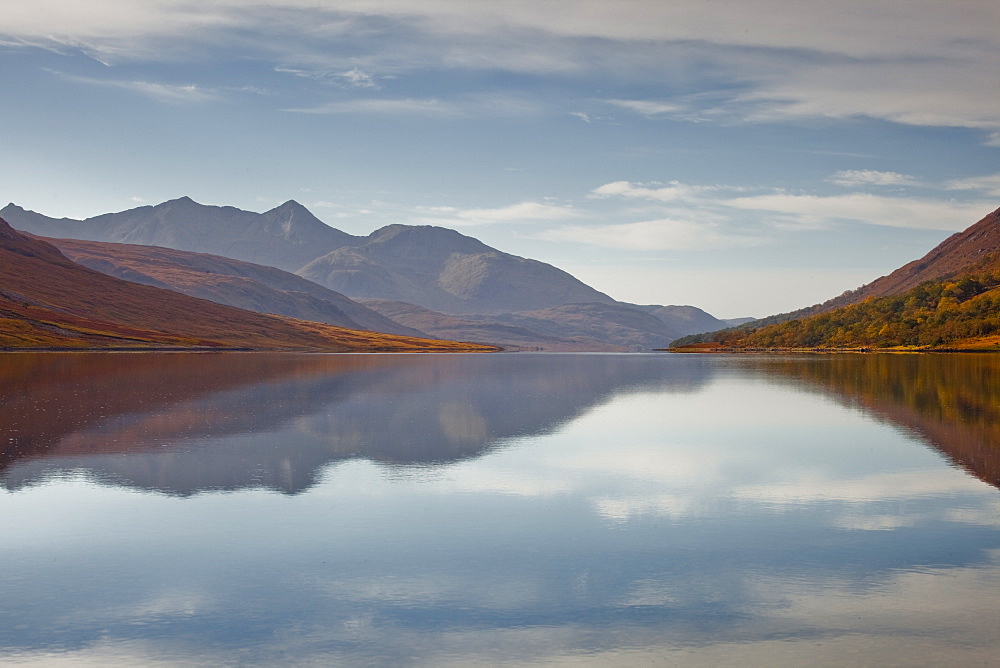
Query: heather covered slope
(236, 283)
(48, 301)
(949, 299)
(975, 249)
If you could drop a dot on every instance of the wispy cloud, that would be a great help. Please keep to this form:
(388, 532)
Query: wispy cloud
(907, 212)
(917, 63)
(653, 235)
(669, 192)
(739, 215)
(171, 93)
(384, 106)
(852, 178)
(649, 107)
(987, 185)
(522, 212)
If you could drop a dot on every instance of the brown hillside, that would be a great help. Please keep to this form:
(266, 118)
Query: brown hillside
(959, 252)
(46, 301)
(245, 285)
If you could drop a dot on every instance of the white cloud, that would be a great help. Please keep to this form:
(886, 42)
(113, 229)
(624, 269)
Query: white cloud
(515, 213)
(403, 107)
(648, 107)
(987, 185)
(518, 212)
(867, 177)
(916, 213)
(173, 93)
(920, 62)
(662, 234)
(358, 79)
(672, 191)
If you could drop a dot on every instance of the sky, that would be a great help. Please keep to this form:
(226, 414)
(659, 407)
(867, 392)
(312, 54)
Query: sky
(748, 158)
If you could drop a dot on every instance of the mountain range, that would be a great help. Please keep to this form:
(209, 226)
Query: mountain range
(434, 267)
(49, 301)
(453, 285)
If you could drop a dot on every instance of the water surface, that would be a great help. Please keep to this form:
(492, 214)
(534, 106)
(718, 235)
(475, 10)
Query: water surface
(249, 509)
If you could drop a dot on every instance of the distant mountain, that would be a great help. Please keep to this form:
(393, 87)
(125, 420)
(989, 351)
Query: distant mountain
(682, 320)
(236, 283)
(46, 301)
(568, 327)
(949, 299)
(446, 271)
(433, 267)
(486, 329)
(286, 237)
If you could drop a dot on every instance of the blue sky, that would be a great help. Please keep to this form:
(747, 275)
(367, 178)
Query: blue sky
(745, 157)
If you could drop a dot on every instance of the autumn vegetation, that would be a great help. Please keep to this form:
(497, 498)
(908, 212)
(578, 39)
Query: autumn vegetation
(947, 300)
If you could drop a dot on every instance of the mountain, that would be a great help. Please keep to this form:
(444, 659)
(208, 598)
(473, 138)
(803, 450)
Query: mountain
(433, 267)
(948, 299)
(48, 301)
(286, 237)
(591, 326)
(437, 269)
(683, 320)
(443, 270)
(248, 286)
(486, 329)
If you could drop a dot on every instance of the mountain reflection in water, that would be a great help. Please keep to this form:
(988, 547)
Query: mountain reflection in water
(192, 423)
(950, 401)
(498, 509)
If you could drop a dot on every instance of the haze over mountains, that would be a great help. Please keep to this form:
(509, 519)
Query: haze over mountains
(502, 298)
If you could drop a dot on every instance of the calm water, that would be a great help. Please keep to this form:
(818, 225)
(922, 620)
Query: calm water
(251, 509)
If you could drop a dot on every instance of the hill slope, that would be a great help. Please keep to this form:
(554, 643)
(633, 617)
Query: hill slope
(248, 286)
(950, 298)
(47, 301)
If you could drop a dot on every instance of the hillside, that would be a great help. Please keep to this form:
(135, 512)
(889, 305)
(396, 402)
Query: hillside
(245, 285)
(948, 299)
(970, 251)
(48, 301)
